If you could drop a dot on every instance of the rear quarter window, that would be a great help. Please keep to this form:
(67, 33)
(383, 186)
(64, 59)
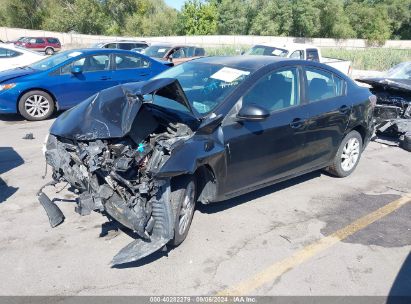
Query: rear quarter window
(323, 85)
(6, 53)
(53, 40)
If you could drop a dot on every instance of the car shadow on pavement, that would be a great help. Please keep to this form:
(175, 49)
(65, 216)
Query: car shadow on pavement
(401, 288)
(231, 203)
(11, 117)
(16, 118)
(9, 159)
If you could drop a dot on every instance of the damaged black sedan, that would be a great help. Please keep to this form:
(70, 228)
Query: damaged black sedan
(144, 153)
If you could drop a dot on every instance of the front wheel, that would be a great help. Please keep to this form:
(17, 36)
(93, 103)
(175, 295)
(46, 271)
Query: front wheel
(183, 200)
(36, 105)
(347, 156)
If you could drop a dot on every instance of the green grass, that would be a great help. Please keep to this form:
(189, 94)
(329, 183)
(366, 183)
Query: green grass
(378, 59)
(370, 59)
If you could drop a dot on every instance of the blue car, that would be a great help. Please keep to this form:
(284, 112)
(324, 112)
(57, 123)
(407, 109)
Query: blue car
(62, 81)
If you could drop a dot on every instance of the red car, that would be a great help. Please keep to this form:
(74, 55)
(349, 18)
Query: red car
(49, 45)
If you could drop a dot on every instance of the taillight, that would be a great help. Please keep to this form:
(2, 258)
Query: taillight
(373, 100)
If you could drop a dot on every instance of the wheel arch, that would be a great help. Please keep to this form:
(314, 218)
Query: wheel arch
(360, 129)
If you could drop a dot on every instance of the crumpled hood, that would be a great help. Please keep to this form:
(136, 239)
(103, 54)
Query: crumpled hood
(14, 73)
(111, 112)
(390, 83)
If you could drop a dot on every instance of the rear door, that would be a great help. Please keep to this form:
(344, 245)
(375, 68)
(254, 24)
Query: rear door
(96, 75)
(261, 151)
(130, 68)
(329, 109)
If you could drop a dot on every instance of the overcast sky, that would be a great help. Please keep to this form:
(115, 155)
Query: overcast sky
(175, 3)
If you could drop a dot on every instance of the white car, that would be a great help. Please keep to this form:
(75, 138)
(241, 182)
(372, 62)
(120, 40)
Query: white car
(299, 51)
(12, 56)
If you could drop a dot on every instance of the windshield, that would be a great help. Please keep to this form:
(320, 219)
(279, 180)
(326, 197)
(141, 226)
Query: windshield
(400, 71)
(52, 61)
(97, 45)
(156, 51)
(267, 51)
(205, 85)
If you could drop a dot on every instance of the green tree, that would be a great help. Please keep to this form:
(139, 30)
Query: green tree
(369, 21)
(306, 16)
(82, 16)
(273, 18)
(234, 17)
(22, 13)
(399, 12)
(198, 18)
(334, 21)
(151, 18)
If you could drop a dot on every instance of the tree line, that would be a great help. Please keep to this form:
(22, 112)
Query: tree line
(374, 20)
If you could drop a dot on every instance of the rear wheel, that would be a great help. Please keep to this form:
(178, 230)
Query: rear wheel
(49, 51)
(347, 156)
(183, 200)
(36, 105)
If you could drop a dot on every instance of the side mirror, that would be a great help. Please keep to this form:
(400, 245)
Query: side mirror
(76, 70)
(252, 112)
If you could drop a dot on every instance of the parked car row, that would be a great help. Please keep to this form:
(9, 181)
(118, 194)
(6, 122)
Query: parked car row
(62, 81)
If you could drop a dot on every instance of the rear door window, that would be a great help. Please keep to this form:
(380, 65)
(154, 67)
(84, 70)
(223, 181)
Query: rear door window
(323, 85)
(111, 46)
(312, 55)
(127, 46)
(124, 62)
(40, 40)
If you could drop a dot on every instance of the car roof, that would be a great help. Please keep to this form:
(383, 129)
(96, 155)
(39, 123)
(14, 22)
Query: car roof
(250, 62)
(173, 45)
(87, 51)
(289, 46)
(122, 41)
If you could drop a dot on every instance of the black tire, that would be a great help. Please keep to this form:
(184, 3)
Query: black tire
(181, 188)
(338, 167)
(406, 142)
(25, 109)
(49, 51)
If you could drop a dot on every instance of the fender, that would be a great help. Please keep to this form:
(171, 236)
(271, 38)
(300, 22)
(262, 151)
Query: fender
(192, 154)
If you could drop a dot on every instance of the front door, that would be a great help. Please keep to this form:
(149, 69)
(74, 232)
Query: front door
(260, 151)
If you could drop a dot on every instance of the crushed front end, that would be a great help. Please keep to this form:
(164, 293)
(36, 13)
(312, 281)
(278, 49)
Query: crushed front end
(116, 175)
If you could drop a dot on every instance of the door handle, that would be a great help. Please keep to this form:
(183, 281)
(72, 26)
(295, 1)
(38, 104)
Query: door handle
(144, 74)
(297, 123)
(344, 109)
(105, 78)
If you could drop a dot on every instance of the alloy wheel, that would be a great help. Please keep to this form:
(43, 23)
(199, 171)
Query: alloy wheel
(187, 209)
(350, 154)
(37, 106)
